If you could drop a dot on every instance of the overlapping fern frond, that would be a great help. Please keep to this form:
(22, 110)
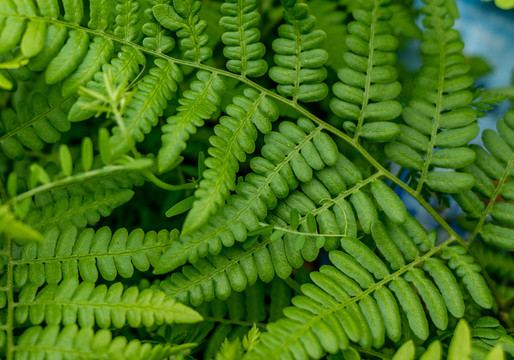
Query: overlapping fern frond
(289, 157)
(366, 92)
(299, 58)
(358, 299)
(438, 121)
(288, 238)
(492, 171)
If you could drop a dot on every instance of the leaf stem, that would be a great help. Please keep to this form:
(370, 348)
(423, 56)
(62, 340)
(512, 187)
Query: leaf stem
(163, 185)
(293, 284)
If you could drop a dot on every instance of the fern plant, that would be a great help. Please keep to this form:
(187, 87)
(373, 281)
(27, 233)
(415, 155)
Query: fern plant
(227, 180)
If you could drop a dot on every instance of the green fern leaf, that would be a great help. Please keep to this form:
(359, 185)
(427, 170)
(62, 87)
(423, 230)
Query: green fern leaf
(156, 36)
(146, 105)
(235, 136)
(126, 19)
(32, 126)
(69, 253)
(181, 17)
(197, 105)
(124, 68)
(106, 307)
(52, 341)
(299, 58)
(241, 38)
(368, 86)
(288, 157)
(327, 302)
(100, 51)
(439, 113)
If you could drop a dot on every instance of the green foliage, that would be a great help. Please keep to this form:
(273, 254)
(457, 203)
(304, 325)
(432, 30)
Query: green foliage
(241, 37)
(299, 58)
(287, 234)
(367, 88)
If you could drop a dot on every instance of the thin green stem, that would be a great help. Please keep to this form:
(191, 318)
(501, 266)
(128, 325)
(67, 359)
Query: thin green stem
(438, 102)
(371, 49)
(163, 185)
(293, 284)
(294, 232)
(492, 200)
(232, 322)
(371, 352)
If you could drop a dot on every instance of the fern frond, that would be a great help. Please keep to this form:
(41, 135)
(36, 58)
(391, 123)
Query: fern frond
(100, 15)
(217, 276)
(31, 125)
(69, 57)
(146, 105)
(87, 305)
(439, 121)
(289, 156)
(323, 199)
(63, 56)
(332, 18)
(197, 104)
(469, 271)
(466, 343)
(76, 209)
(69, 253)
(299, 57)
(488, 334)
(241, 38)
(31, 37)
(486, 100)
(234, 316)
(127, 18)
(52, 341)
(346, 303)
(280, 230)
(100, 49)
(235, 137)
(100, 52)
(73, 191)
(367, 88)
(156, 37)
(123, 68)
(183, 18)
(492, 171)
(56, 35)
